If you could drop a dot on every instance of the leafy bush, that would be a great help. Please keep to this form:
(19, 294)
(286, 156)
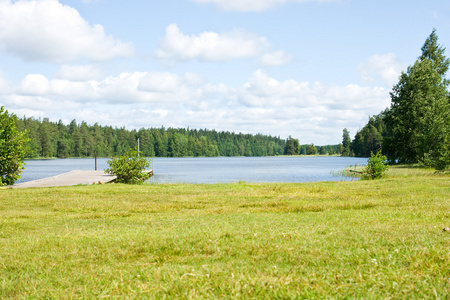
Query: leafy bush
(439, 159)
(12, 148)
(376, 166)
(129, 168)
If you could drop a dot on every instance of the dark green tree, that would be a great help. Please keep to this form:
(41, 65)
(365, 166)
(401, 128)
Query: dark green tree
(322, 150)
(434, 52)
(311, 149)
(12, 148)
(369, 139)
(48, 143)
(174, 146)
(418, 122)
(292, 146)
(331, 151)
(34, 143)
(346, 142)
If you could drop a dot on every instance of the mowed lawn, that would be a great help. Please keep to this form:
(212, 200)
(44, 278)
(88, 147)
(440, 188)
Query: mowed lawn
(361, 239)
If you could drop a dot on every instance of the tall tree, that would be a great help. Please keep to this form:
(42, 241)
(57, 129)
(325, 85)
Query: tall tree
(311, 149)
(346, 142)
(48, 143)
(418, 123)
(369, 139)
(433, 52)
(292, 146)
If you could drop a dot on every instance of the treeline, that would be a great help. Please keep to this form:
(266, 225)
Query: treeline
(55, 139)
(416, 127)
(370, 138)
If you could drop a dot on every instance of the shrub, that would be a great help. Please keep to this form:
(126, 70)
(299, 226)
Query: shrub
(376, 166)
(129, 168)
(12, 148)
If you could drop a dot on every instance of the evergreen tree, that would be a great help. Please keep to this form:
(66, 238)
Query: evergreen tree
(369, 139)
(292, 146)
(331, 151)
(418, 123)
(322, 150)
(346, 142)
(46, 135)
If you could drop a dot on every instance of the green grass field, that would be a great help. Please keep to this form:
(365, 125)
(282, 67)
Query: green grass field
(361, 239)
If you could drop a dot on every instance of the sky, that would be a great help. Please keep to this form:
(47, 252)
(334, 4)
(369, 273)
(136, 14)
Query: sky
(300, 68)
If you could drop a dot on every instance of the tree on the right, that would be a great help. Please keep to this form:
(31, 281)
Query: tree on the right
(418, 121)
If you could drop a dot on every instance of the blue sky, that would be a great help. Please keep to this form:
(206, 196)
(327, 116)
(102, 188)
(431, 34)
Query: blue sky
(301, 68)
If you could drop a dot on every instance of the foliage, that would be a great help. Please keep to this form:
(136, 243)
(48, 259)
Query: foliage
(346, 142)
(331, 151)
(12, 148)
(377, 165)
(51, 139)
(292, 146)
(311, 149)
(129, 168)
(363, 240)
(55, 139)
(418, 122)
(370, 138)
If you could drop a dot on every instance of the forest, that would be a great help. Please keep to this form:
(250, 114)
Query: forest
(56, 139)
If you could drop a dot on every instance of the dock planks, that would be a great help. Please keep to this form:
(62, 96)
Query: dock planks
(75, 177)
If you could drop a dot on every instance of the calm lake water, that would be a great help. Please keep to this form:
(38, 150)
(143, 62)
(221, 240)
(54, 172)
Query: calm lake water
(212, 169)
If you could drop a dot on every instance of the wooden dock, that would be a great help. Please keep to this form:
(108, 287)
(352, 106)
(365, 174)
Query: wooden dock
(77, 177)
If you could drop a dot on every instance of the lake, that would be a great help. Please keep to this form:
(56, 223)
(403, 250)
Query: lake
(212, 169)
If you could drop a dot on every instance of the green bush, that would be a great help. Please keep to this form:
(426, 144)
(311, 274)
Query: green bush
(129, 168)
(376, 166)
(12, 148)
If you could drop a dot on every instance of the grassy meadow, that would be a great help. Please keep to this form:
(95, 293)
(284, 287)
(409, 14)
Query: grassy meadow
(360, 239)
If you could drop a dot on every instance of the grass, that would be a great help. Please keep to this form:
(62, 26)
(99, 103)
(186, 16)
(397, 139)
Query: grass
(360, 239)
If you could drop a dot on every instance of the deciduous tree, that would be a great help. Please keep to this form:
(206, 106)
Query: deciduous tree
(12, 148)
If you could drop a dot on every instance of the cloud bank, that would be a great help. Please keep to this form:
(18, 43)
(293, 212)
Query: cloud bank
(209, 46)
(46, 30)
(310, 111)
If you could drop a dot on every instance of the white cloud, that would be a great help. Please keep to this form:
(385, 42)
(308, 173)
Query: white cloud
(193, 79)
(159, 82)
(313, 112)
(264, 91)
(253, 5)
(381, 66)
(209, 46)
(277, 58)
(35, 84)
(46, 30)
(78, 72)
